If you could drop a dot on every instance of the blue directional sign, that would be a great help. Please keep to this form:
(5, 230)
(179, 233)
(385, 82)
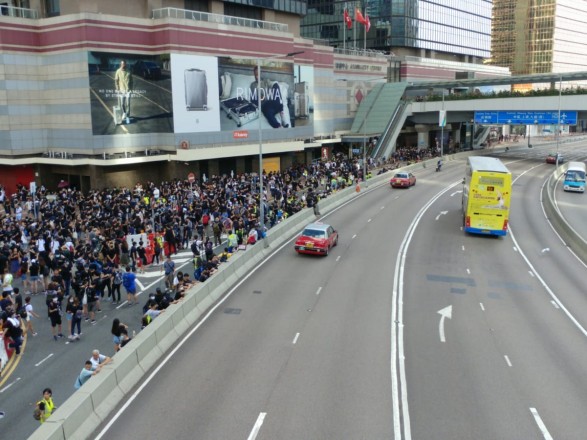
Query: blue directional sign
(549, 117)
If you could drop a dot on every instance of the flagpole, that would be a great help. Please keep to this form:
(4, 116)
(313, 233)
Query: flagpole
(344, 28)
(355, 28)
(365, 35)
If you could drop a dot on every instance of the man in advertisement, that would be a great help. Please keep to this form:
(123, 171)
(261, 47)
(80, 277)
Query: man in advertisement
(271, 100)
(123, 86)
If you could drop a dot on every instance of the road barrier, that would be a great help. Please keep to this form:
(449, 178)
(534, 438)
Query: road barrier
(570, 237)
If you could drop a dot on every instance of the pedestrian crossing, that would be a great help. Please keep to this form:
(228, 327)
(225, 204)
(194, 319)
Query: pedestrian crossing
(156, 271)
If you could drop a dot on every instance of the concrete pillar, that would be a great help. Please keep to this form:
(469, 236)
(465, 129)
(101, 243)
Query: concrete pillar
(240, 165)
(213, 168)
(423, 136)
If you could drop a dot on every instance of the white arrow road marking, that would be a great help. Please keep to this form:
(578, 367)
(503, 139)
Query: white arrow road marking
(441, 213)
(444, 313)
(545, 250)
(456, 192)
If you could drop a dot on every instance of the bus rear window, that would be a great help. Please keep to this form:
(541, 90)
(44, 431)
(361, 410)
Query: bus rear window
(488, 180)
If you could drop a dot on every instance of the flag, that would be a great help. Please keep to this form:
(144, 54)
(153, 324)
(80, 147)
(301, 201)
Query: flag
(359, 16)
(347, 19)
(367, 23)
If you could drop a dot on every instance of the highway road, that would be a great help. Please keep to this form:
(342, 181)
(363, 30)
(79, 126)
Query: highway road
(408, 330)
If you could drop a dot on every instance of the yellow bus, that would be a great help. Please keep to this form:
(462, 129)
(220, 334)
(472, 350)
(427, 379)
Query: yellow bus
(487, 190)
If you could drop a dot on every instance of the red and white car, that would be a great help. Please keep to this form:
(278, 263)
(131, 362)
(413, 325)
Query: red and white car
(402, 180)
(317, 239)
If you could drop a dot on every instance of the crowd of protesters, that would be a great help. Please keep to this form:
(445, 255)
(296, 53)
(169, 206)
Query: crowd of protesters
(71, 248)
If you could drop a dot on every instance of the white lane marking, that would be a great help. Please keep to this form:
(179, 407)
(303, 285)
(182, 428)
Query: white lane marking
(257, 427)
(555, 305)
(546, 287)
(295, 339)
(401, 412)
(482, 306)
(383, 207)
(227, 295)
(541, 424)
(507, 360)
(319, 290)
(468, 271)
(140, 285)
(444, 313)
(369, 221)
(456, 192)
(396, 197)
(515, 249)
(531, 273)
(463, 247)
(9, 385)
(338, 258)
(354, 236)
(43, 360)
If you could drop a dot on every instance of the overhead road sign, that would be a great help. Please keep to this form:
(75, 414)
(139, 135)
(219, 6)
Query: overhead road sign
(549, 117)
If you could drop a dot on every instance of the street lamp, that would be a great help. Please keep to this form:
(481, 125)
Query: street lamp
(261, 206)
(558, 126)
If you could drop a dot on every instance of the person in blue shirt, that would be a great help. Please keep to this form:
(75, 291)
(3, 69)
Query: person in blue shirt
(129, 282)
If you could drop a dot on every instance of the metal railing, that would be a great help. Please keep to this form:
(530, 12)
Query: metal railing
(218, 18)
(13, 11)
(360, 52)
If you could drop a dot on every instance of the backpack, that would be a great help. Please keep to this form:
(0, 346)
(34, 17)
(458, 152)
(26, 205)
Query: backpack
(194, 248)
(37, 413)
(216, 228)
(118, 278)
(205, 219)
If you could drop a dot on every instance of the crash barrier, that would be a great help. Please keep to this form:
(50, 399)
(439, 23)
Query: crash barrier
(570, 237)
(89, 407)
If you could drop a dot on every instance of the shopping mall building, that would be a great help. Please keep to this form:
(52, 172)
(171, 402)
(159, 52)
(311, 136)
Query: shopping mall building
(185, 102)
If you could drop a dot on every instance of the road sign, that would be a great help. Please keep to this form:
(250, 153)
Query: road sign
(549, 117)
(191, 177)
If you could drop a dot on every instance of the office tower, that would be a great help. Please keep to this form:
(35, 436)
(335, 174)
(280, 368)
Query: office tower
(457, 30)
(531, 36)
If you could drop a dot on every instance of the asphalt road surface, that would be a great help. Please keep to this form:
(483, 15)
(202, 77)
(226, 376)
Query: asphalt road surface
(408, 329)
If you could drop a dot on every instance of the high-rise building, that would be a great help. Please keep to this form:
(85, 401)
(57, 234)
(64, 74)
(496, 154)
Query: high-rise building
(458, 30)
(110, 92)
(531, 36)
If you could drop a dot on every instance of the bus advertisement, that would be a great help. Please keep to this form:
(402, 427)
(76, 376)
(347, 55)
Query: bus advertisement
(575, 177)
(487, 189)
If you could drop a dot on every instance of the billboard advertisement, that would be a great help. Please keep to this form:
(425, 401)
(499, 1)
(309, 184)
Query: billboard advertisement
(181, 93)
(130, 93)
(231, 101)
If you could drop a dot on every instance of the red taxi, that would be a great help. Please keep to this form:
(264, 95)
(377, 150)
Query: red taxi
(402, 180)
(317, 239)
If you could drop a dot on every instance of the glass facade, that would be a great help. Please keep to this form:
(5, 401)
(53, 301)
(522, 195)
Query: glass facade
(539, 36)
(460, 27)
(298, 7)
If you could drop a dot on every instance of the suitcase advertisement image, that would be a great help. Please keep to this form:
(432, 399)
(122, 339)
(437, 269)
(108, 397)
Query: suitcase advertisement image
(238, 94)
(196, 105)
(196, 90)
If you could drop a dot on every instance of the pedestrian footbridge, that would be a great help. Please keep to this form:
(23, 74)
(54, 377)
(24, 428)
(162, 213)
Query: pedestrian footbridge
(391, 109)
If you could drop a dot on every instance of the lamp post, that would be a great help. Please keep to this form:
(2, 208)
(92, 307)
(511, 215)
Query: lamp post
(442, 124)
(261, 205)
(558, 126)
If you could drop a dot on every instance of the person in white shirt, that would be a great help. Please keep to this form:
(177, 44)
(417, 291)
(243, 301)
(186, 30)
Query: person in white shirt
(99, 360)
